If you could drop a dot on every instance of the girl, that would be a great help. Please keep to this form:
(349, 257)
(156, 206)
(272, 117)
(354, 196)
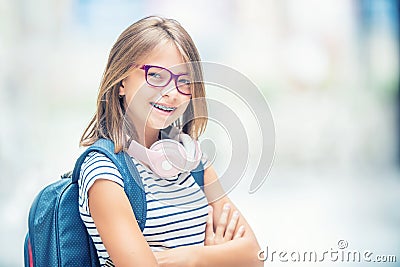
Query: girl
(148, 86)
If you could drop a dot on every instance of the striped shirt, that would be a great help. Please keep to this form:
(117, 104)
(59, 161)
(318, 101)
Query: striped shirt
(176, 207)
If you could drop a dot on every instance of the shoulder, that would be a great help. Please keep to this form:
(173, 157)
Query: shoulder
(98, 166)
(96, 158)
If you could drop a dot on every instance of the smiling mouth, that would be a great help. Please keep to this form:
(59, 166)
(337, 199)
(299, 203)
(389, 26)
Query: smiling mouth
(163, 108)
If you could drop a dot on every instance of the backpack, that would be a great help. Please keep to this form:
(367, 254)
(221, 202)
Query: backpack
(57, 235)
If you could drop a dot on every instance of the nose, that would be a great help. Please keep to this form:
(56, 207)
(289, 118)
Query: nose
(170, 90)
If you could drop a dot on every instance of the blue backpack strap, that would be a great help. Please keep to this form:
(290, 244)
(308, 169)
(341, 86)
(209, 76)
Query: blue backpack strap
(198, 174)
(133, 185)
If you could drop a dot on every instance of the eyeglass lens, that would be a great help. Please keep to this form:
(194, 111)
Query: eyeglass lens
(160, 77)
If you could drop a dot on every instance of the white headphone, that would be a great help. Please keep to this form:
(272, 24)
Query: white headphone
(177, 153)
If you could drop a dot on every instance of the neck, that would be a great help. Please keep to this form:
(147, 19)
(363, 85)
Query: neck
(146, 135)
(151, 137)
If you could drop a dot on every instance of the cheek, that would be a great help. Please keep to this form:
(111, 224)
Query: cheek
(141, 96)
(178, 113)
(181, 109)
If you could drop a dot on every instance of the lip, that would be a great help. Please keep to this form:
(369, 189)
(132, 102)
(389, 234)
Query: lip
(162, 104)
(162, 111)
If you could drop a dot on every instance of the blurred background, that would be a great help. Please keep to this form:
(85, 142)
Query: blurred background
(328, 69)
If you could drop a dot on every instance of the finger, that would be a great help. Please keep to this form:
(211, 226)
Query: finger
(240, 232)
(209, 228)
(231, 226)
(223, 220)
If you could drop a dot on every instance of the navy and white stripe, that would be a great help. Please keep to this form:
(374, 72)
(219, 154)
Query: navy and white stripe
(176, 207)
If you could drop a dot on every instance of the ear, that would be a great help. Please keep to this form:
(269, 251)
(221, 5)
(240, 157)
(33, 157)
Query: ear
(121, 88)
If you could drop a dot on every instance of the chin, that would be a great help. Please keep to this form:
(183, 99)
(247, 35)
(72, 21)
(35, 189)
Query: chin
(160, 125)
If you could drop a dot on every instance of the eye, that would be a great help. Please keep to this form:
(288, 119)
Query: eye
(154, 75)
(184, 81)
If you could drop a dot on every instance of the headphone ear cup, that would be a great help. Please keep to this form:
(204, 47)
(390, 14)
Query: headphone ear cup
(155, 157)
(160, 165)
(172, 158)
(168, 157)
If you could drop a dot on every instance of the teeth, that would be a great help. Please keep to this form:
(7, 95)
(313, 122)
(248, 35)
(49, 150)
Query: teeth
(163, 107)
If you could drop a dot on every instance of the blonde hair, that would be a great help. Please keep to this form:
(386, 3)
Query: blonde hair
(135, 43)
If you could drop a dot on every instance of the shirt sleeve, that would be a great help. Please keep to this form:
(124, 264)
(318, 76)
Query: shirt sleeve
(95, 166)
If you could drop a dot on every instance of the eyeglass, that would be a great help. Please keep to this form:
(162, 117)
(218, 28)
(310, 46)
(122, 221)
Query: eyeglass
(160, 77)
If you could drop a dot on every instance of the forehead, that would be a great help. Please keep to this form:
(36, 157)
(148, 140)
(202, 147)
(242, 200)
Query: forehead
(166, 55)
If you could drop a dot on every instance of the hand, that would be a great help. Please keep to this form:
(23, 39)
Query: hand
(224, 232)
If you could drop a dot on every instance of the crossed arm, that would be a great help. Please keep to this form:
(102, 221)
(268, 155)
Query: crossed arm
(229, 241)
(227, 244)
